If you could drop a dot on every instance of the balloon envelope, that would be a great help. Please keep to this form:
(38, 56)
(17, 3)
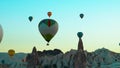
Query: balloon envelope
(1, 33)
(48, 28)
(11, 52)
(30, 18)
(81, 15)
(49, 14)
(79, 34)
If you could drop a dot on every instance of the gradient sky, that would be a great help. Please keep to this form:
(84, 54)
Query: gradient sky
(100, 25)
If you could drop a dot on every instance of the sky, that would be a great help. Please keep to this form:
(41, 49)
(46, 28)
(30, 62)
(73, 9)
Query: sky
(100, 25)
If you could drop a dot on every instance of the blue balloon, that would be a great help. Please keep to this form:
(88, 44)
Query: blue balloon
(30, 18)
(81, 15)
(79, 34)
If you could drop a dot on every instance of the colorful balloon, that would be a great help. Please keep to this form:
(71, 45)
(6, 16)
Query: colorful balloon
(81, 15)
(49, 14)
(30, 18)
(1, 33)
(11, 52)
(48, 28)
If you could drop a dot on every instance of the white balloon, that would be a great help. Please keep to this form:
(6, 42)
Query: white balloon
(1, 33)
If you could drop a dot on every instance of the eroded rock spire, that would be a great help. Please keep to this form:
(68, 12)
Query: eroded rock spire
(80, 57)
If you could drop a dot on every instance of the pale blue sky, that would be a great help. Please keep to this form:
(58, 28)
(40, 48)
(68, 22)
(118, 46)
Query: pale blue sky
(100, 24)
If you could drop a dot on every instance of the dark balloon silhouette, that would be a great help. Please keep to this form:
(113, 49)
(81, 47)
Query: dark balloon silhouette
(79, 34)
(30, 18)
(81, 15)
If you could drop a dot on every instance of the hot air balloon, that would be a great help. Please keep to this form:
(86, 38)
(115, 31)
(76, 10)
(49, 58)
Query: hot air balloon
(79, 34)
(1, 33)
(81, 15)
(30, 18)
(49, 14)
(11, 52)
(48, 28)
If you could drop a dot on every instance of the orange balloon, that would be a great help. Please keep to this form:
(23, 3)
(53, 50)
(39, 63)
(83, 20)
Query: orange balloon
(49, 14)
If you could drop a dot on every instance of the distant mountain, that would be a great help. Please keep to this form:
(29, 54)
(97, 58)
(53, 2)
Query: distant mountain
(103, 58)
(7, 58)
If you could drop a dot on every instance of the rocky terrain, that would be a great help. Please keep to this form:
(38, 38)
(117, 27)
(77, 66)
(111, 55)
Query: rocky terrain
(101, 58)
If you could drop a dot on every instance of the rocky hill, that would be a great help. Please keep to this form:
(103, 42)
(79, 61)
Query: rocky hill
(101, 58)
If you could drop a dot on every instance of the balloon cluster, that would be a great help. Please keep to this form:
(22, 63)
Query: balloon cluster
(49, 27)
(31, 17)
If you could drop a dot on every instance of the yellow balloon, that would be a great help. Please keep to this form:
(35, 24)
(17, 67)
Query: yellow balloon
(11, 52)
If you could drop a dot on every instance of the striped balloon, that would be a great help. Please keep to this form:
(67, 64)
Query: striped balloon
(48, 28)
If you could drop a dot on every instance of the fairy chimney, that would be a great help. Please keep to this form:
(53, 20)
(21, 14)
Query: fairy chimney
(32, 59)
(80, 43)
(80, 57)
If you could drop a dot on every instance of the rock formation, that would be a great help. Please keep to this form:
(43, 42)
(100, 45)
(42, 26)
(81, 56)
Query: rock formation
(32, 59)
(80, 57)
